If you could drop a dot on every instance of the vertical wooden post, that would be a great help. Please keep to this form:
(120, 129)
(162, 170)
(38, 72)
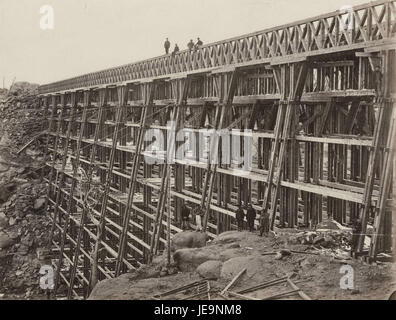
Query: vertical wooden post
(292, 86)
(227, 97)
(148, 99)
(380, 230)
(73, 106)
(374, 153)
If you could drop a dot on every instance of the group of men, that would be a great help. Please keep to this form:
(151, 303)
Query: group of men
(185, 215)
(191, 46)
(251, 215)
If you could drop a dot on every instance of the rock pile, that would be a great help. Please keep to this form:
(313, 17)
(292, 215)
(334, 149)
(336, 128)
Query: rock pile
(24, 224)
(21, 119)
(22, 87)
(330, 234)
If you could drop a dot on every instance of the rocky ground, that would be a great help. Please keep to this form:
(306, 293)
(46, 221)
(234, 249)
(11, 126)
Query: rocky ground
(313, 260)
(23, 223)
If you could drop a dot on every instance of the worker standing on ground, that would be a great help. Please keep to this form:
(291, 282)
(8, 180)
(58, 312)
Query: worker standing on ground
(240, 217)
(199, 212)
(167, 46)
(356, 230)
(190, 45)
(251, 217)
(264, 223)
(185, 213)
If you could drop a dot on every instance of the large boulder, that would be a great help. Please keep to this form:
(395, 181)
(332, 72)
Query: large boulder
(255, 266)
(210, 269)
(188, 239)
(229, 237)
(189, 259)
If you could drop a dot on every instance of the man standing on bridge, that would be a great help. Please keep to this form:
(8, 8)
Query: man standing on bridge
(176, 50)
(167, 46)
(190, 45)
(199, 43)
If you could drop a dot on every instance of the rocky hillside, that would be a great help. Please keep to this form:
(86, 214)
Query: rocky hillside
(22, 87)
(23, 222)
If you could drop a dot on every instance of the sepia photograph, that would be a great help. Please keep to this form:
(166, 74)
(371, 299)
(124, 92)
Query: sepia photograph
(197, 155)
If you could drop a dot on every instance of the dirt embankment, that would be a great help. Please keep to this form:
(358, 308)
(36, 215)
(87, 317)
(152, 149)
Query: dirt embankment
(24, 225)
(314, 266)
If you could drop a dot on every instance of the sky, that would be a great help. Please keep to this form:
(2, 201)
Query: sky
(91, 35)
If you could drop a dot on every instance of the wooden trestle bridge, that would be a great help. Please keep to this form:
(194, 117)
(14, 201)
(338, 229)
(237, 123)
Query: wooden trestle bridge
(315, 98)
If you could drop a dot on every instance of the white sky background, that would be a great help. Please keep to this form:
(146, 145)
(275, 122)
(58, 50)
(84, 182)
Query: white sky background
(90, 35)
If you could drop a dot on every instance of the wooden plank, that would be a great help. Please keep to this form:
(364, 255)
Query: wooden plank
(233, 281)
(373, 160)
(325, 191)
(386, 182)
(300, 292)
(31, 141)
(264, 285)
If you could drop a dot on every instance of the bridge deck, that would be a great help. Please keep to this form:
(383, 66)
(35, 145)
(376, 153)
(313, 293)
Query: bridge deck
(364, 26)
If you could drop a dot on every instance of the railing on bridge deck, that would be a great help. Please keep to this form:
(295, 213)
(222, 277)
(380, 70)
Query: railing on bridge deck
(352, 28)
